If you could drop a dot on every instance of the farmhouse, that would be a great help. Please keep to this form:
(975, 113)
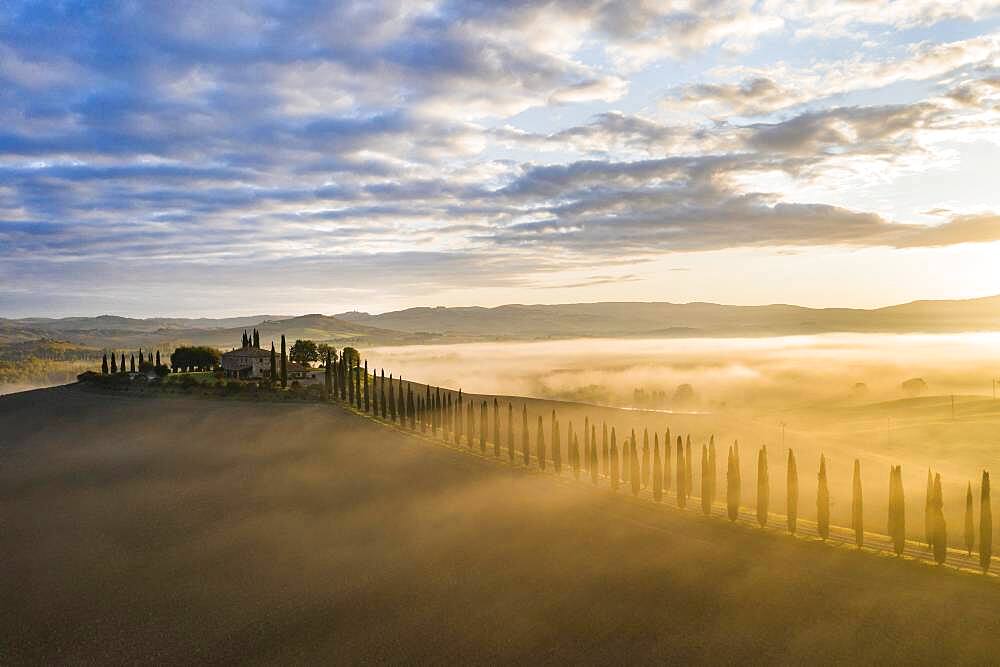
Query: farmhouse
(304, 374)
(249, 361)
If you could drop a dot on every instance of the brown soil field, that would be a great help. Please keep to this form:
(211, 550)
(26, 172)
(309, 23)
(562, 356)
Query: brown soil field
(192, 531)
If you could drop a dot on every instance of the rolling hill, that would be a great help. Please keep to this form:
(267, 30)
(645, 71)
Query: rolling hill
(517, 322)
(688, 319)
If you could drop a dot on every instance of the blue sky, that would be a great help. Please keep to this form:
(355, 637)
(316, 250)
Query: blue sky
(191, 158)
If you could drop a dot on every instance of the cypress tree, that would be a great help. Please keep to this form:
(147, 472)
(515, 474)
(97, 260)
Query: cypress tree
(401, 397)
(635, 475)
(891, 523)
(458, 419)
(328, 377)
(361, 399)
(970, 526)
(392, 399)
(897, 508)
(732, 487)
(510, 433)
(381, 394)
(605, 452)
(711, 471)
(586, 444)
(626, 463)
(985, 524)
(403, 415)
(822, 501)
(104, 364)
(351, 395)
(688, 463)
(436, 413)
(594, 470)
(857, 507)
(368, 398)
(940, 535)
(667, 469)
(657, 470)
(763, 487)
(141, 357)
(496, 427)
(284, 363)
(483, 421)
(121, 366)
(929, 511)
(342, 375)
(540, 443)
(525, 438)
(433, 409)
(681, 475)
(132, 363)
(449, 424)
(274, 364)
(345, 377)
(335, 372)
(417, 416)
(428, 415)
(158, 357)
(645, 458)
(114, 364)
(792, 496)
(411, 406)
(556, 445)
(451, 420)
(571, 453)
(470, 425)
(613, 455)
(706, 499)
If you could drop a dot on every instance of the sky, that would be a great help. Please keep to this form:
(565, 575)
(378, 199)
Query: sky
(223, 158)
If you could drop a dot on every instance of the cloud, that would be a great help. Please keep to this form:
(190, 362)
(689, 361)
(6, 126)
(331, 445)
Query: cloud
(830, 19)
(752, 91)
(473, 139)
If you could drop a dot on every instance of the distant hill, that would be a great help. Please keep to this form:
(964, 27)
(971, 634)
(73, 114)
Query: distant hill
(107, 331)
(689, 319)
(515, 322)
(315, 327)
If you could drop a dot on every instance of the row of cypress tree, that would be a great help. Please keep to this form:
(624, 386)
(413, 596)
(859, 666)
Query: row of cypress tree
(460, 419)
(145, 359)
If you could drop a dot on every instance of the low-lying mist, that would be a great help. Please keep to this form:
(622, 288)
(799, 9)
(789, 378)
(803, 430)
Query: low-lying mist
(884, 399)
(780, 373)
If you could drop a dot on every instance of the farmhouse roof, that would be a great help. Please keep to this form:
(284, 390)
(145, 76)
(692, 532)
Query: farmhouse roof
(255, 352)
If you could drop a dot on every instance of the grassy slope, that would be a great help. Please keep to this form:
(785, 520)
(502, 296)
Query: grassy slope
(283, 533)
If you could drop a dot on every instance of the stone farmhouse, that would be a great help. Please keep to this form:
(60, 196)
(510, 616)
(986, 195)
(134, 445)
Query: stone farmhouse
(249, 362)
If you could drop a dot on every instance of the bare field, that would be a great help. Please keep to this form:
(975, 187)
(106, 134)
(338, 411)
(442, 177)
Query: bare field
(183, 531)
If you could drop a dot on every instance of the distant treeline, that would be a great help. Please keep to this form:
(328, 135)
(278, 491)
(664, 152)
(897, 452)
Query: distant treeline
(40, 362)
